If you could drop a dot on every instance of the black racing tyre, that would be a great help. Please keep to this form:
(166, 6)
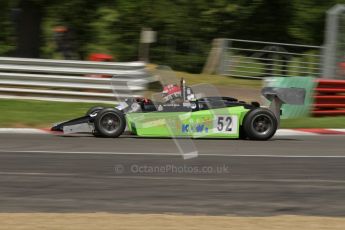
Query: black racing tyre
(260, 124)
(91, 111)
(94, 109)
(242, 133)
(110, 122)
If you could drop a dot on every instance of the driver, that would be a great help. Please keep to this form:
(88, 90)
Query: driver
(172, 94)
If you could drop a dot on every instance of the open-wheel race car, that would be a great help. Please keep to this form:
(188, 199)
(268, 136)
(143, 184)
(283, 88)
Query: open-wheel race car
(183, 111)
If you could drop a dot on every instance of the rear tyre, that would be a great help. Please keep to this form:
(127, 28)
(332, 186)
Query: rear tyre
(260, 124)
(110, 122)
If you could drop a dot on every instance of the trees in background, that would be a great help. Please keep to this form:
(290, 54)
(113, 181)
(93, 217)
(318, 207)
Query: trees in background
(27, 19)
(6, 40)
(185, 28)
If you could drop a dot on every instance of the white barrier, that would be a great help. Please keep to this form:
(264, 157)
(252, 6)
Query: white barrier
(62, 80)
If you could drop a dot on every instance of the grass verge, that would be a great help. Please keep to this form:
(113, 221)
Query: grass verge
(39, 114)
(314, 122)
(103, 221)
(42, 114)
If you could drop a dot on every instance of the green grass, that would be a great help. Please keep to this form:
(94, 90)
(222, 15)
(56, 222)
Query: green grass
(314, 122)
(41, 114)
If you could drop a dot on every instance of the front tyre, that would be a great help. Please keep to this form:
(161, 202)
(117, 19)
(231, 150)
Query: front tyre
(110, 122)
(260, 124)
(94, 109)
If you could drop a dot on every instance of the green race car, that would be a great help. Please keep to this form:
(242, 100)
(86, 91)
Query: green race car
(182, 111)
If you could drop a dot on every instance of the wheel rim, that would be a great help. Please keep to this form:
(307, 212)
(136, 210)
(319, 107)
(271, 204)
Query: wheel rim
(262, 124)
(110, 123)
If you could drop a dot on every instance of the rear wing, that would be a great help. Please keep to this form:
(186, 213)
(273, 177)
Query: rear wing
(279, 96)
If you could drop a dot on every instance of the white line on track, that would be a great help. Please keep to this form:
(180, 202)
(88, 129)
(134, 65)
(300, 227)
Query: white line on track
(171, 154)
(279, 133)
(175, 178)
(36, 174)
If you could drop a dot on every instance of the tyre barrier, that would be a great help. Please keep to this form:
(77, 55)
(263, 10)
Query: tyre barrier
(329, 98)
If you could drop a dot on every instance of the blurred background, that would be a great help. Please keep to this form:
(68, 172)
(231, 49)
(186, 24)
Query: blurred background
(75, 29)
(238, 46)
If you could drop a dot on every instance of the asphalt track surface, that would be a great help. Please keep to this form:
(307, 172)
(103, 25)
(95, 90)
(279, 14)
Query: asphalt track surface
(302, 175)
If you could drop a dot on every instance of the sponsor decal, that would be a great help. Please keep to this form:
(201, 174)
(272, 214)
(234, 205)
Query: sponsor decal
(219, 124)
(194, 128)
(199, 125)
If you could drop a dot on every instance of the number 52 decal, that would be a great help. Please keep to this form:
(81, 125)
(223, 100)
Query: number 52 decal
(225, 124)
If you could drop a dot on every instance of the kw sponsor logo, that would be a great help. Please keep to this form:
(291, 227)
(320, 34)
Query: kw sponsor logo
(194, 128)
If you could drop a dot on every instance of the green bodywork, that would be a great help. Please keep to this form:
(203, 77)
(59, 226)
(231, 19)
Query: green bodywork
(213, 123)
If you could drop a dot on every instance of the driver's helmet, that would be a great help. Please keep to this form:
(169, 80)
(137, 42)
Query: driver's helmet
(171, 93)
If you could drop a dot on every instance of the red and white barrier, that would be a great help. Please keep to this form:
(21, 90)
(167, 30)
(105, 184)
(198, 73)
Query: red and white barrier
(329, 98)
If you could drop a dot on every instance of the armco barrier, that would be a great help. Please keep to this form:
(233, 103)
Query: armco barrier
(62, 80)
(329, 98)
(259, 59)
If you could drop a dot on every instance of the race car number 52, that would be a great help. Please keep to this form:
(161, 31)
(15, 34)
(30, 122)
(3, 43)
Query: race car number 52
(225, 124)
